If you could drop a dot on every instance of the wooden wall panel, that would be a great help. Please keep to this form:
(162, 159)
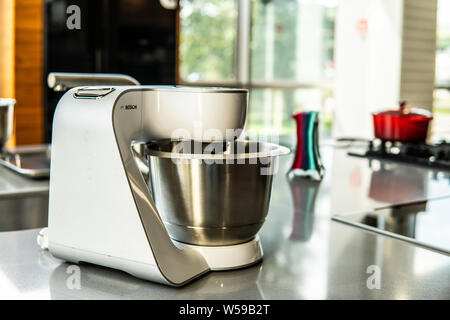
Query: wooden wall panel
(28, 70)
(7, 52)
(21, 65)
(6, 48)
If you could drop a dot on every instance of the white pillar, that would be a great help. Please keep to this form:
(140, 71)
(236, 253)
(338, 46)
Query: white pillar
(367, 65)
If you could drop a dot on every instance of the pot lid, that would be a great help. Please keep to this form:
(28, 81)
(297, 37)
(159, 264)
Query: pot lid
(403, 111)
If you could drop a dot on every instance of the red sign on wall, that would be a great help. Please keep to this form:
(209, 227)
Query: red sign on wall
(361, 27)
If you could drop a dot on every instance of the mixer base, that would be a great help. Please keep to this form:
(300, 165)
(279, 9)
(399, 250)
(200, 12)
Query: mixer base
(229, 257)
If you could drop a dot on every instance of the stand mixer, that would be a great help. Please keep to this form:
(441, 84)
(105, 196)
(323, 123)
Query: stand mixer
(102, 210)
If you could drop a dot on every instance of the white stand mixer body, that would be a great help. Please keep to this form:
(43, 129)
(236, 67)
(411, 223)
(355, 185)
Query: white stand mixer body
(100, 209)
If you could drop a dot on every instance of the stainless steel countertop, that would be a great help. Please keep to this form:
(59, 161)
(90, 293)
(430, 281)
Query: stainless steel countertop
(13, 184)
(306, 255)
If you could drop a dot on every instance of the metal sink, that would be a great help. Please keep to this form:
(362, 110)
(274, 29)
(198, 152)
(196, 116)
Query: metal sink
(24, 212)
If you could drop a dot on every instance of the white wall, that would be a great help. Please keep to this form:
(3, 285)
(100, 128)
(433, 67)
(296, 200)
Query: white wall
(367, 67)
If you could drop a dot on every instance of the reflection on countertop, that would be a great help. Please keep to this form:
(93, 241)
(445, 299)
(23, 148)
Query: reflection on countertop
(306, 254)
(424, 223)
(103, 283)
(304, 193)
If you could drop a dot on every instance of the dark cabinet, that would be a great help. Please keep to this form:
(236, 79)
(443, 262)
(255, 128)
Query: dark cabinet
(134, 37)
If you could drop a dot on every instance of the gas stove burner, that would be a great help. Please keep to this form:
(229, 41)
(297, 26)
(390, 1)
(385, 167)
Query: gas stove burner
(420, 153)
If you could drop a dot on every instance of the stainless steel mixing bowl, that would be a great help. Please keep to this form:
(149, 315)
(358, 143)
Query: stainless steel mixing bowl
(212, 194)
(6, 120)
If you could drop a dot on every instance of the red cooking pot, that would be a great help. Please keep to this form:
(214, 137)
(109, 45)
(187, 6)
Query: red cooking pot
(404, 125)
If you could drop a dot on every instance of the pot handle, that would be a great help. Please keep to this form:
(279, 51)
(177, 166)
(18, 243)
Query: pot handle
(402, 106)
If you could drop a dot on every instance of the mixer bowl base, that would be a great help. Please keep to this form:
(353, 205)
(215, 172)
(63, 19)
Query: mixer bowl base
(228, 257)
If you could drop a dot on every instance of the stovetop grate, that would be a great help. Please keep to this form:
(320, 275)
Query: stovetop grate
(430, 155)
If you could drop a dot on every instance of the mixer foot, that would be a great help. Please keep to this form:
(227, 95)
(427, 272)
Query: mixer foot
(228, 257)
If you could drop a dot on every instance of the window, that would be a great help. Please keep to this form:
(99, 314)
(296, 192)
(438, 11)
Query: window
(282, 50)
(441, 123)
(291, 40)
(207, 40)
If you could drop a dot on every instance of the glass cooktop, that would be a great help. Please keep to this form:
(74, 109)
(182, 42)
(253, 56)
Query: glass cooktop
(425, 223)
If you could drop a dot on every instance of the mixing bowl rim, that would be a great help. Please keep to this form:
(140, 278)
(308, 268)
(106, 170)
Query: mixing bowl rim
(276, 150)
